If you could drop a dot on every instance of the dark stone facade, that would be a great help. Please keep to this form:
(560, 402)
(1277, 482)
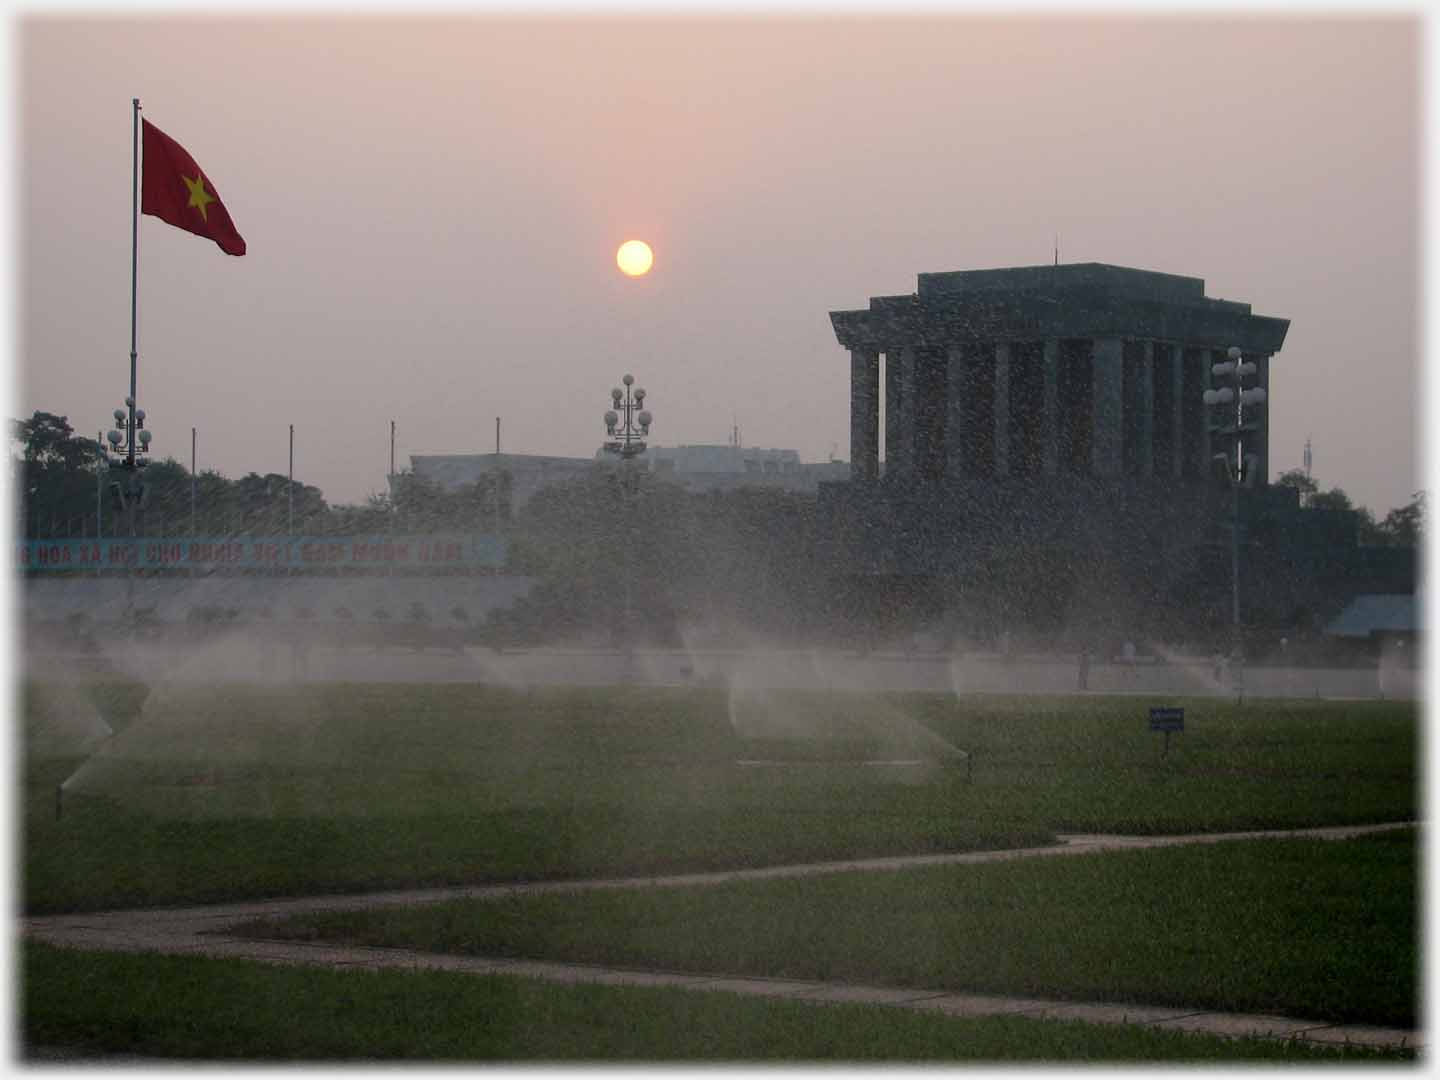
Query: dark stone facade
(1084, 369)
(1048, 461)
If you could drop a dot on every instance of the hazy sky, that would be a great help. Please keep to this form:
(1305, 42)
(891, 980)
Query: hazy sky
(432, 208)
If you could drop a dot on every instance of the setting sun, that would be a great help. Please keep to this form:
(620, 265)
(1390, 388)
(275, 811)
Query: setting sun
(634, 258)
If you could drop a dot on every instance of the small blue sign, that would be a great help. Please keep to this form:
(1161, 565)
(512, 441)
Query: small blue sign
(1167, 718)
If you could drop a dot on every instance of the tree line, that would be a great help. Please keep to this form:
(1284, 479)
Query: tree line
(62, 482)
(1401, 527)
(57, 474)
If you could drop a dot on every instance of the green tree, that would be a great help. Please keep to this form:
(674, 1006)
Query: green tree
(1334, 499)
(264, 504)
(54, 475)
(1404, 526)
(375, 516)
(1301, 482)
(167, 498)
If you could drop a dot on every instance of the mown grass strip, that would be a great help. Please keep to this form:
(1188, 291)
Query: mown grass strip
(98, 857)
(1307, 928)
(199, 1008)
(241, 791)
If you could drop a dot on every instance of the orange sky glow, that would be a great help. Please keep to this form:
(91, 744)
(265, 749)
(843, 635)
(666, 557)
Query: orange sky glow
(431, 205)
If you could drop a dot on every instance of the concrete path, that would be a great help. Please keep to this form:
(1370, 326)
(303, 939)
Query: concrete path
(202, 930)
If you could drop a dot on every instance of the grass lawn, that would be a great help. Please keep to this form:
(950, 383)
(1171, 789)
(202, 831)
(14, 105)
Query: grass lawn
(240, 791)
(236, 1010)
(1308, 928)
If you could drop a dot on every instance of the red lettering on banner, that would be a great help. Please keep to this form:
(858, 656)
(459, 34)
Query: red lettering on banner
(439, 551)
(162, 553)
(199, 552)
(318, 552)
(267, 553)
(411, 551)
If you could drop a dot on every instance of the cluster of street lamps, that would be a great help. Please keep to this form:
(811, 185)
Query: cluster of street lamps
(627, 423)
(1231, 401)
(627, 438)
(128, 450)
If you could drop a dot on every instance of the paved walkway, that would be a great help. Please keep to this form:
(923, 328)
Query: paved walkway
(203, 930)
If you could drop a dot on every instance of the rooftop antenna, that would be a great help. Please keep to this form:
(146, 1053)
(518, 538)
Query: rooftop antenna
(1307, 457)
(1057, 249)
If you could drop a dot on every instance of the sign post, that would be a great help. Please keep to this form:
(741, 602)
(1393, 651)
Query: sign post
(1167, 719)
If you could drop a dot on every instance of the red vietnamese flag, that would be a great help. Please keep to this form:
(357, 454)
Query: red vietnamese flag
(175, 190)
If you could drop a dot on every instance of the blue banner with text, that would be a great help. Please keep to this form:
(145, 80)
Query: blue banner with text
(263, 552)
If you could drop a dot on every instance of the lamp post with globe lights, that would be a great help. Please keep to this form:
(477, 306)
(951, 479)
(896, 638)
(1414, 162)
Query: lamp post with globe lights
(128, 447)
(1230, 401)
(627, 423)
(627, 438)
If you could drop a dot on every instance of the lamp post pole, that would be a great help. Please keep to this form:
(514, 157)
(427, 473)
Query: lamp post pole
(1232, 400)
(100, 486)
(627, 422)
(127, 453)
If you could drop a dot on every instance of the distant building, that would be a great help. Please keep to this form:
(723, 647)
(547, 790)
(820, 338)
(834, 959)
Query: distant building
(1046, 371)
(695, 468)
(1054, 405)
(1372, 616)
(1048, 461)
(725, 468)
(528, 473)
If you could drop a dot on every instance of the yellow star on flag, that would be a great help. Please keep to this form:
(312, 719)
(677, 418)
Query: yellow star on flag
(198, 195)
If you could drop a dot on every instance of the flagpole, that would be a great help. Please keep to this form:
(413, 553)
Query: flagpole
(131, 496)
(134, 267)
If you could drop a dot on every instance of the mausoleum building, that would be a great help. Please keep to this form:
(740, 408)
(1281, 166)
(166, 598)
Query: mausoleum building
(1083, 369)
